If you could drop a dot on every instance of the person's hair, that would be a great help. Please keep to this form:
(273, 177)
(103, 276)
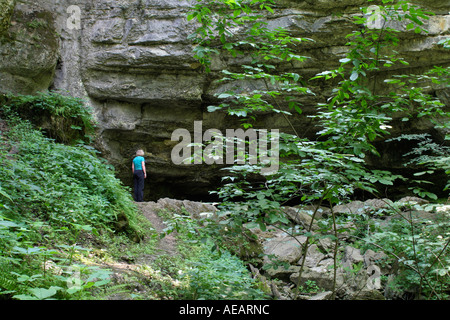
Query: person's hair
(140, 152)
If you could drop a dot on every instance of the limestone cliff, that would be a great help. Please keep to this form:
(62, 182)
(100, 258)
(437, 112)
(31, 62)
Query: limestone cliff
(132, 62)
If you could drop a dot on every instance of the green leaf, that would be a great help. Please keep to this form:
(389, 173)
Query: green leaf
(74, 289)
(268, 9)
(228, 46)
(224, 95)
(102, 282)
(191, 16)
(386, 182)
(213, 108)
(25, 297)
(354, 76)
(4, 194)
(42, 293)
(262, 226)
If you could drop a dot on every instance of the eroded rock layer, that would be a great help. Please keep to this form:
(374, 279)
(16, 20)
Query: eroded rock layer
(133, 64)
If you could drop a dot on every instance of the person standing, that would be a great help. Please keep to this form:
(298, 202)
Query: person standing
(139, 174)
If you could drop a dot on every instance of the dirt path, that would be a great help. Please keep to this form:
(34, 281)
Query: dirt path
(143, 281)
(166, 245)
(131, 272)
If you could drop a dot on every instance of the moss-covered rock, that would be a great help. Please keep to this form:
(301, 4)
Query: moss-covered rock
(6, 10)
(29, 48)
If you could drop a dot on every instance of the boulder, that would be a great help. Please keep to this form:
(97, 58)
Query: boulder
(285, 249)
(321, 276)
(357, 275)
(302, 217)
(313, 257)
(326, 295)
(378, 259)
(409, 201)
(362, 207)
(352, 256)
(282, 273)
(195, 209)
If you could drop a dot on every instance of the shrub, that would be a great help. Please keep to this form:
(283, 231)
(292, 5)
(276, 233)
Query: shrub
(219, 275)
(64, 118)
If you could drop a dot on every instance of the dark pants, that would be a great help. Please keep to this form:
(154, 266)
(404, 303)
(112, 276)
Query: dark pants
(138, 179)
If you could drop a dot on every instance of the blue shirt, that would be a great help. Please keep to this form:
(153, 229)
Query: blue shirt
(138, 162)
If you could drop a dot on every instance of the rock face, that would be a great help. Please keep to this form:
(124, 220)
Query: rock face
(132, 63)
(29, 47)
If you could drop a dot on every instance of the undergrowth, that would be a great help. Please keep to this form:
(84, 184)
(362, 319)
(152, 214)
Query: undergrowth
(64, 118)
(53, 197)
(205, 270)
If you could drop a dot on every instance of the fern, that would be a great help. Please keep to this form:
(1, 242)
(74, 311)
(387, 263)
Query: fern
(7, 285)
